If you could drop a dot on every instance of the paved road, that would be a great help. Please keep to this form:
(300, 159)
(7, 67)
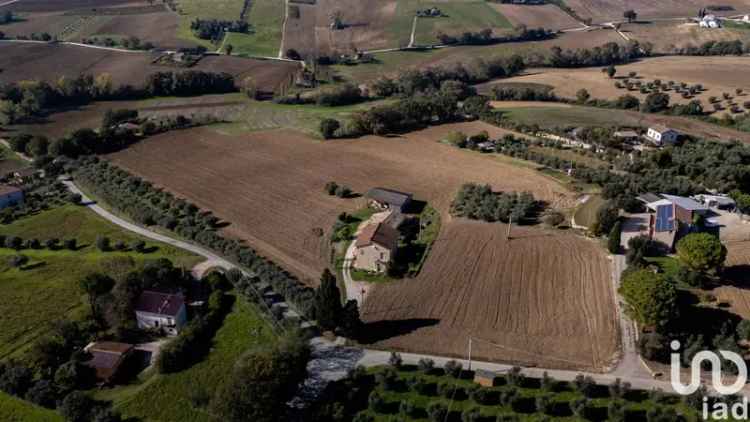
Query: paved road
(355, 290)
(90, 204)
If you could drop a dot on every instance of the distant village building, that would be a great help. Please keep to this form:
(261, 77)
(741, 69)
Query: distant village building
(163, 311)
(721, 202)
(626, 135)
(485, 378)
(10, 196)
(709, 21)
(107, 359)
(662, 135)
(382, 198)
(375, 247)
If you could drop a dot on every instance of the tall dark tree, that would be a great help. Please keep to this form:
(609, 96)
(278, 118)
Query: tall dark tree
(350, 322)
(95, 285)
(328, 307)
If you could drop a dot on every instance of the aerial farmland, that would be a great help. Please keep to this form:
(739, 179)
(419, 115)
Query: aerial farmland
(318, 210)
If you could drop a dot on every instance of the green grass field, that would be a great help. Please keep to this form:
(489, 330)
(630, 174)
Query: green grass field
(551, 117)
(267, 20)
(586, 214)
(570, 155)
(267, 115)
(9, 161)
(205, 9)
(166, 398)
(46, 289)
(462, 16)
(16, 410)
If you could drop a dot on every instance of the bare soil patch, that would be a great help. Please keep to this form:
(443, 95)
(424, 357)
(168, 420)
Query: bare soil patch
(158, 28)
(366, 21)
(59, 5)
(547, 16)
(49, 62)
(269, 185)
(543, 298)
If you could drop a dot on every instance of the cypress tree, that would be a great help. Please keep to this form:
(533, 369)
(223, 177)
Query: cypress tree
(327, 302)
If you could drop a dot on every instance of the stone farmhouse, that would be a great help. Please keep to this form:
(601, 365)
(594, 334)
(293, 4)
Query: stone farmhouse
(375, 247)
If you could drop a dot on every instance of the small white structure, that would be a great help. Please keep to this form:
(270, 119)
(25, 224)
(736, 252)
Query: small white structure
(662, 135)
(161, 311)
(746, 18)
(709, 21)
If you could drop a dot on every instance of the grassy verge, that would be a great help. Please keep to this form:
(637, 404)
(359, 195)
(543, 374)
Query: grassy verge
(571, 156)
(176, 397)
(16, 410)
(46, 289)
(10, 162)
(669, 266)
(429, 221)
(585, 215)
(552, 117)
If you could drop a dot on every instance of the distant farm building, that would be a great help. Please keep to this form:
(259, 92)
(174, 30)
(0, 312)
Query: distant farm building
(485, 378)
(709, 21)
(161, 311)
(662, 135)
(375, 247)
(388, 199)
(10, 196)
(107, 359)
(626, 135)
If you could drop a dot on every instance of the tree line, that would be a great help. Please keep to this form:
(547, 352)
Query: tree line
(214, 29)
(487, 37)
(25, 99)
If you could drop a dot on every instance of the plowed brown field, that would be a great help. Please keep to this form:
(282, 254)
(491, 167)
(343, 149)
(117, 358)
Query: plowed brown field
(612, 10)
(547, 16)
(49, 62)
(269, 185)
(541, 299)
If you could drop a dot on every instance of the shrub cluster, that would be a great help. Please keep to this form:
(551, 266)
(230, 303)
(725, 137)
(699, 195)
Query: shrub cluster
(213, 29)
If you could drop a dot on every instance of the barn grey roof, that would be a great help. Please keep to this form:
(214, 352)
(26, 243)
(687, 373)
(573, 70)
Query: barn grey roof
(388, 196)
(160, 303)
(685, 203)
(649, 197)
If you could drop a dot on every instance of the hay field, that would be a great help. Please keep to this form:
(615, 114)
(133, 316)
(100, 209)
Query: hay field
(544, 298)
(49, 62)
(269, 185)
(718, 75)
(612, 10)
(547, 16)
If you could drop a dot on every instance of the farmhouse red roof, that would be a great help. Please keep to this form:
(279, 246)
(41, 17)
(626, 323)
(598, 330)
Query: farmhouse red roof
(160, 303)
(381, 234)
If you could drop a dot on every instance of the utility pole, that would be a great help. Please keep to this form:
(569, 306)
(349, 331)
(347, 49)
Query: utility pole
(510, 222)
(469, 354)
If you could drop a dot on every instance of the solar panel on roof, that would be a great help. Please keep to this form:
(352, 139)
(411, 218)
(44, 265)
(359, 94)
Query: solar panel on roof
(664, 218)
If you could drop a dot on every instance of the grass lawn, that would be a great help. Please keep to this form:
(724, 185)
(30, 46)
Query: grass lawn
(266, 18)
(46, 289)
(267, 115)
(586, 214)
(670, 266)
(167, 398)
(16, 410)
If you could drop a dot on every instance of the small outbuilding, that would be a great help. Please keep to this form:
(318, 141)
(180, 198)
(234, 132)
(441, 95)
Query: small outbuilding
(161, 311)
(485, 378)
(10, 196)
(107, 359)
(383, 198)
